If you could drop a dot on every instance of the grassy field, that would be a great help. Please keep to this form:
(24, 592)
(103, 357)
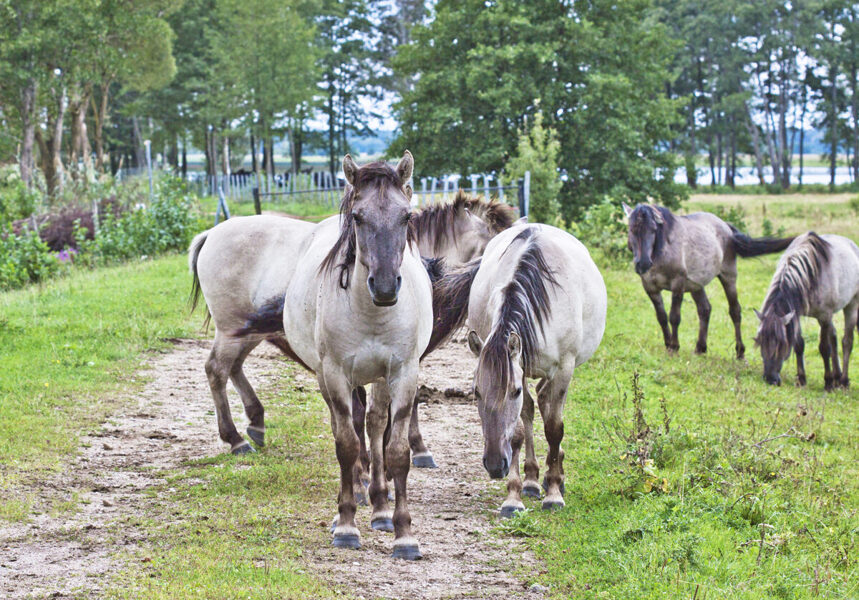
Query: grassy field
(724, 488)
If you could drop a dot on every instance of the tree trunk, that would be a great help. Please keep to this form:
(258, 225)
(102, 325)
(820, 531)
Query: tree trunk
(253, 153)
(184, 157)
(51, 146)
(854, 98)
(28, 122)
(802, 133)
(833, 127)
(139, 155)
(99, 119)
(759, 161)
(80, 149)
(332, 156)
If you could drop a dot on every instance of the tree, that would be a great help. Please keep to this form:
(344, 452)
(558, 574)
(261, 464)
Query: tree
(537, 152)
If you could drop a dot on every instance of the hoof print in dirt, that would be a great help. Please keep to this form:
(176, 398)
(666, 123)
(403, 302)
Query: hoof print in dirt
(531, 491)
(257, 436)
(243, 449)
(407, 552)
(383, 524)
(424, 461)
(552, 505)
(546, 489)
(346, 540)
(508, 511)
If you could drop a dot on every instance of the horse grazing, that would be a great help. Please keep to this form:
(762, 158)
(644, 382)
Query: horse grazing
(536, 309)
(357, 311)
(817, 276)
(683, 254)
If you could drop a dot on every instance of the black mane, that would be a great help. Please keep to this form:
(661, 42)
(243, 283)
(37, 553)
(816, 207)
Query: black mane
(525, 306)
(437, 222)
(643, 215)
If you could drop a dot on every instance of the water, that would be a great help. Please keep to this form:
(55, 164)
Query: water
(749, 175)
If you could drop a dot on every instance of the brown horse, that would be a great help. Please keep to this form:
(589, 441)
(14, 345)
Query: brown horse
(683, 254)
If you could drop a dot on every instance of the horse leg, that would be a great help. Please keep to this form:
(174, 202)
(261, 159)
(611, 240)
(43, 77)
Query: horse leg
(729, 284)
(224, 353)
(661, 316)
(851, 317)
(824, 347)
(833, 344)
(377, 424)
(421, 456)
(338, 395)
(513, 503)
(253, 407)
(402, 389)
(799, 349)
(530, 487)
(359, 404)
(703, 305)
(551, 398)
(674, 316)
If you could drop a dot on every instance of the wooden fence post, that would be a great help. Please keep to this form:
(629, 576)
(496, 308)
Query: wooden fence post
(257, 205)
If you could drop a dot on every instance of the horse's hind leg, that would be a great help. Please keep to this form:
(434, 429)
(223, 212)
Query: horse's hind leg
(825, 348)
(225, 352)
(253, 407)
(421, 456)
(551, 398)
(661, 315)
(729, 284)
(362, 467)
(851, 316)
(377, 425)
(703, 305)
(513, 503)
(530, 487)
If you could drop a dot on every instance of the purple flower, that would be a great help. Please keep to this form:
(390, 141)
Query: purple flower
(66, 255)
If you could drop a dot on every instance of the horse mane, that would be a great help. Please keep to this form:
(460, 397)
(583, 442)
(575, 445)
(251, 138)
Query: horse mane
(525, 306)
(375, 173)
(645, 214)
(438, 222)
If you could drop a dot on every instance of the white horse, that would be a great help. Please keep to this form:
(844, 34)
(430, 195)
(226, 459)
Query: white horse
(357, 311)
(536, 309)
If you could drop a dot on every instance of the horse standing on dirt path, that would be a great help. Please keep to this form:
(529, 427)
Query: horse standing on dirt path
(683, 254)
(246, 262)
(817, 276)
(536, 309)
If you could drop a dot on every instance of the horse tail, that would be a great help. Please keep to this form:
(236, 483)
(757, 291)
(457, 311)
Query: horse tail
(747, 246)
(268, 320)
(450, 303)
(196, 291)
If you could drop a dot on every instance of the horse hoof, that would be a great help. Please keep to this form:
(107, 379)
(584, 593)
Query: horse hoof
(243, 449)
(257, 436)
(553, 504)
(361, 499)
(382, 524)
(407, 552)
(346, 540)
(546, 487)
(508, 511)
(531, 491)
(700, 349)
(424, 461)
(800, 382)
(334, 523)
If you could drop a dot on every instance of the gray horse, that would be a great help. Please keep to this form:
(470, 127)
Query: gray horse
(817, 276)
(683, 254)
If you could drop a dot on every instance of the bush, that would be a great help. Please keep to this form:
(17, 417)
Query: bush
(16, 201)
(603, 230)
(24, 259)
(538, 153)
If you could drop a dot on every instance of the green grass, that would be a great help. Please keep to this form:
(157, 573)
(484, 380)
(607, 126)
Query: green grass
(69, 346)
(726, 485)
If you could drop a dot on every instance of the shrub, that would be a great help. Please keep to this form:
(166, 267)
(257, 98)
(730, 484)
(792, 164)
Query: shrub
(602, 229)
(16, 201)
(537, 152)
(24, 259)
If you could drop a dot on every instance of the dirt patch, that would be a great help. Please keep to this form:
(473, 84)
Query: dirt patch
(72, 552)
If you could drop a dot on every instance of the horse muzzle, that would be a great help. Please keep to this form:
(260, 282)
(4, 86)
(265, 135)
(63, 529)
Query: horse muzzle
(773, 379)
(384, 293)
(642, 267)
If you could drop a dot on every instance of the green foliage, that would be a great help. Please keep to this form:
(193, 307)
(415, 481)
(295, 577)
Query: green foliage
(854, 205)
(602, 229)
(24, 259)
(16, 201)
(734, 215)
(537, 152)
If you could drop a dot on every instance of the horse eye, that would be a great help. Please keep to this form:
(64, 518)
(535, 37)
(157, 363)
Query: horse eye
(407, 218)
(357, 218)
(516, 392)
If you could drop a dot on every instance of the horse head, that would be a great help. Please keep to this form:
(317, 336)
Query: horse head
(646, 235)
(776, 336)
(377, 215)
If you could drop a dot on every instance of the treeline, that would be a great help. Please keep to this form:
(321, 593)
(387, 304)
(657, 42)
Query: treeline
(631, 89)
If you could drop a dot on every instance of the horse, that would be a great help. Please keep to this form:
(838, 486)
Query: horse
(683, 254)
(358, 310)
(536, 308)
(817, 276)
(243, 263)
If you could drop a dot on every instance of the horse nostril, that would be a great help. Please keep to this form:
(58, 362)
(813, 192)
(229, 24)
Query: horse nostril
(505, 466)
(399, 282)
(371, 282)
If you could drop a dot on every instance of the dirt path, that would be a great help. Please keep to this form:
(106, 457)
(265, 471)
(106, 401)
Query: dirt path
(63, 553)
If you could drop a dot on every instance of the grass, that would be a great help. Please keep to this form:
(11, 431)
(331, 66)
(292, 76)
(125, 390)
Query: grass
(762, 483)
(309, 209)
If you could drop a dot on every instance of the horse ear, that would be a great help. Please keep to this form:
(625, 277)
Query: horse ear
(521, 221)
(406, 166)
(514, 346)
(758, 315)
(626, 209)
(409, 192)
(475, 344)
(350, 169)
(657, 214)
(788, 317)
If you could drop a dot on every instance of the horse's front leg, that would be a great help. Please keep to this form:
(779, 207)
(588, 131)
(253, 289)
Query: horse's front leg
(401, 387)
(825, 347)
(531, 486)
(513, 503)
(661, 316)
(674, 315)
(703, 305)
(337, 392)
(421, 456)
(551, 397)
(851, 316)
(799, 349)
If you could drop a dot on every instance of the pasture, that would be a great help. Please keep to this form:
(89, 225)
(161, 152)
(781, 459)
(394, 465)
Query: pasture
(686, 476)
